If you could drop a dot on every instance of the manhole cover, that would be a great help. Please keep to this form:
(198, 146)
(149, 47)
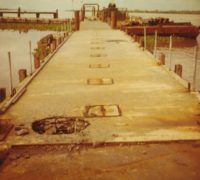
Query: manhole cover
(99, 65)
(96, 42)
(116, 40)
(102, 111)
(100, 81)
(97, 48)
(98, 55)
(59, 125)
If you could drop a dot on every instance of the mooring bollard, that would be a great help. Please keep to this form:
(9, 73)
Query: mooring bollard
(114, 19)
(162, 59)
(178, 69)
(22, 74)
(2, 94)
(77, 20)
(36, 60)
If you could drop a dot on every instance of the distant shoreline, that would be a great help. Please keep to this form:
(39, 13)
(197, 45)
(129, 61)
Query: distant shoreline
(164, 12)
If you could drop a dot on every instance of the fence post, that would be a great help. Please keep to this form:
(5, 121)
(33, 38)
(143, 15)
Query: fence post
(170, 53)
(155, 43)
(195, 66)
(145, 38)
(10, 70)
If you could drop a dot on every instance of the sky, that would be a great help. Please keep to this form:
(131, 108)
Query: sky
(130, 4)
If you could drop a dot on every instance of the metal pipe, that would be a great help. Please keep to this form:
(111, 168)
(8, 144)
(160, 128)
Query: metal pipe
(145, 38)
(30, 51)
(10, 70)
(195, 66)
(155, 43)
(170, 53)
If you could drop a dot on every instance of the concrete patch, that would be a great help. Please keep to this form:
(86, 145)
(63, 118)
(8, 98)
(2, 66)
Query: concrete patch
(100, 81)
(102, 111)
(99, 66)
(97, 48)
(98, 55)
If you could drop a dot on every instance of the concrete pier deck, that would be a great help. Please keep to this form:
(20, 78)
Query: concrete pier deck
(153, 105)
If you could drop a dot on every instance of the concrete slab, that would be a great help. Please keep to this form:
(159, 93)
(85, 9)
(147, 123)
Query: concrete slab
(155, 106)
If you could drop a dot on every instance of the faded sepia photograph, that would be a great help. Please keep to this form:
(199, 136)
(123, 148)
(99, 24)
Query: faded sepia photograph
(99, 89)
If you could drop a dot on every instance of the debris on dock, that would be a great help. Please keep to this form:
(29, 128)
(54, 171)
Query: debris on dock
(59, 125)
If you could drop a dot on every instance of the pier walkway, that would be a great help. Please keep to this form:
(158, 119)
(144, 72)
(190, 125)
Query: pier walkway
(101, 66)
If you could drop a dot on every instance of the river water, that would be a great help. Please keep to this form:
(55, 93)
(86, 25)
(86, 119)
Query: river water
(18, 44)
(184, 55)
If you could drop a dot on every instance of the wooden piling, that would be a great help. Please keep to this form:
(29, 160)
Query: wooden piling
(162, 59)
(114, 19)
(37, 15)
(178, 69)
(2, 94)
(36, 60)
(22, 74)
(19, 12)
(77, 20)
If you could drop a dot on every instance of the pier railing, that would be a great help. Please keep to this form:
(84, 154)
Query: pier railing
(20, 12)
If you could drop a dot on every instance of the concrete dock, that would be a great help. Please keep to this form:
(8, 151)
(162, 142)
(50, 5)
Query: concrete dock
(101, 66)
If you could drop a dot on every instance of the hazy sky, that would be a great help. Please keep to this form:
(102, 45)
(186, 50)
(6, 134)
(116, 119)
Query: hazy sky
(131, 4)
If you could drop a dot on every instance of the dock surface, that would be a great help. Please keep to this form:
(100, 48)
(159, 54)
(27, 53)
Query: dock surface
(149, 103)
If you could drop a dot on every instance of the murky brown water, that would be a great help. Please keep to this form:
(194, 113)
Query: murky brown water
(185, 55)
(18, 44)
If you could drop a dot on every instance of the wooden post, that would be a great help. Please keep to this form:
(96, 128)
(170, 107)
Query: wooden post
(77, 20)
(22, 74)
(19, 13)
(145, 38)
(170, 53)
(55, 15)
(83, 15)
(1, 14)
(196, 49)
(30, 51)
(2, 94)
(178, 69)
(93, 11)
(114, 19)
(37, 15)
(162, 59)
(36, 60)
(10, 69)
(155, 43)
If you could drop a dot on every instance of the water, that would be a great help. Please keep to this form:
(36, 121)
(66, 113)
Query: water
(193, 18)
(18, 44)
(185, 55)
